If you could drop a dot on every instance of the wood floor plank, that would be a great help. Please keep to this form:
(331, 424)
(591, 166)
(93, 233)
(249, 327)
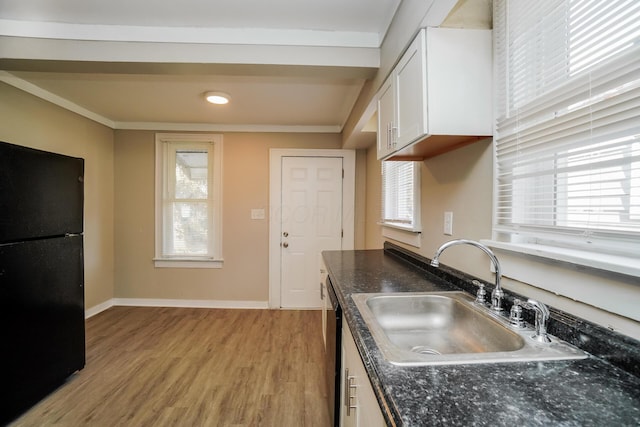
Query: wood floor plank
(193, 367)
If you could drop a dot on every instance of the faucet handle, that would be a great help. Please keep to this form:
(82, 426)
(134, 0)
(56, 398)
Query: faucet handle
(542, 317)
(481, 295)
(515, 315)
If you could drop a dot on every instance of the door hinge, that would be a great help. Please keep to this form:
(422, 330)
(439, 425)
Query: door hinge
(342, 173)
(341, 233)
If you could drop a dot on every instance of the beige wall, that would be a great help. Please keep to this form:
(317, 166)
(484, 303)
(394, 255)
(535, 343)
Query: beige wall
(119, 203)
(32, 122)
(461, 182)
(245, 275)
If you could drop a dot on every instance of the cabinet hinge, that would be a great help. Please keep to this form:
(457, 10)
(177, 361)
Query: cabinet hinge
(342, 173)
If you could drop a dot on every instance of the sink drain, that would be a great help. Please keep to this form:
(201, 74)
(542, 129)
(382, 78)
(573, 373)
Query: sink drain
(420, 349)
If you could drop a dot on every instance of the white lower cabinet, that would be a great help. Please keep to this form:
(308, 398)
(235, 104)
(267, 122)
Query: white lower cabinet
(359, 406)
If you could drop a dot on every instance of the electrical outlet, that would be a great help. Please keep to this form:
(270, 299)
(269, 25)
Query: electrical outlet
(448, 223)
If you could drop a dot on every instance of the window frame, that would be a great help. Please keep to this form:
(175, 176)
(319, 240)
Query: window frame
(410, 234)
(583, 245)
(163, 161)
(580, 272)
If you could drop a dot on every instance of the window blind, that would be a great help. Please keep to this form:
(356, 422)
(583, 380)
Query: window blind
(399, 195)
(568, 122)
(187, 206)
(187, 202)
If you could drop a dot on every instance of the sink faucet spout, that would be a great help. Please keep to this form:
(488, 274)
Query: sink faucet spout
(497, 294)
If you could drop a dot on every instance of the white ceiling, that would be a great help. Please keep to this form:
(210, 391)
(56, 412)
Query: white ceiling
(288, 64)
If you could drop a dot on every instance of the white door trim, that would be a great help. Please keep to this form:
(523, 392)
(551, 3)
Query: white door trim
(275, 199)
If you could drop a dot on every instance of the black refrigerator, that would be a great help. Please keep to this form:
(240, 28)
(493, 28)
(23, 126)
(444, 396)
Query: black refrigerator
(41, 274)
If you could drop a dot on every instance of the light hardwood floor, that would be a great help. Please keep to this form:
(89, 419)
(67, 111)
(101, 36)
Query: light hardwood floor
(194, 367)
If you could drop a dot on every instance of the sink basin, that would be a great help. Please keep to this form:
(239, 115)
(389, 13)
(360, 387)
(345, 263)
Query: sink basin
(438, 328)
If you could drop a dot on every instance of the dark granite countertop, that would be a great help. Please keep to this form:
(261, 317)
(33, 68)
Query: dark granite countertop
(603, 389)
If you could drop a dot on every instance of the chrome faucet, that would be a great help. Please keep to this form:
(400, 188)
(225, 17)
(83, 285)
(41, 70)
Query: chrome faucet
(497, 294)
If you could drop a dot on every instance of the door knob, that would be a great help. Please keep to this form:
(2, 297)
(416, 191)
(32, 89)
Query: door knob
(285, 245)
(285, 234)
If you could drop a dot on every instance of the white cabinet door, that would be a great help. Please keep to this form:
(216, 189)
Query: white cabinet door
(356, 391)
(411, 106)
(386, 119)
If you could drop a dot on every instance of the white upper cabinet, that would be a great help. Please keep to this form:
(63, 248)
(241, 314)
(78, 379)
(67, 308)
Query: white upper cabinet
(438, 97)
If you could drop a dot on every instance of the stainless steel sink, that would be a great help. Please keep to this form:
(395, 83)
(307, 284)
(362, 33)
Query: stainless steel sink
(439, 328)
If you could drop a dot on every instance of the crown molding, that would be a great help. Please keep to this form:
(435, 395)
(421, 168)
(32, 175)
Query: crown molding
(213, 127)
(37, 91)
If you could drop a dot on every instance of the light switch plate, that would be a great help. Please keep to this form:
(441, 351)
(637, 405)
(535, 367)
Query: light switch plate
(448, 223)
(257, 213)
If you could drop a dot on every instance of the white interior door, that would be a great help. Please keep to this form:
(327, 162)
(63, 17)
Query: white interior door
(311, 221)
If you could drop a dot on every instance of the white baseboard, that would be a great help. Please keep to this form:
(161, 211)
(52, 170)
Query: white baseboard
(186, 303)
(90, 312)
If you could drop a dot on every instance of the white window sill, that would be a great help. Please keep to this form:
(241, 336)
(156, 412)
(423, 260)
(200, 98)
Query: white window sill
(614, 263)
(187, 263)
(403, 235)
(580, 276)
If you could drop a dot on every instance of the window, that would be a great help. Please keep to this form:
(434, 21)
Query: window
(401, 201)
(568, 124)
(188, 202)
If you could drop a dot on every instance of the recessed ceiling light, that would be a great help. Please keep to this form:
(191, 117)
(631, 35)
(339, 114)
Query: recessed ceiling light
(217, 97)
